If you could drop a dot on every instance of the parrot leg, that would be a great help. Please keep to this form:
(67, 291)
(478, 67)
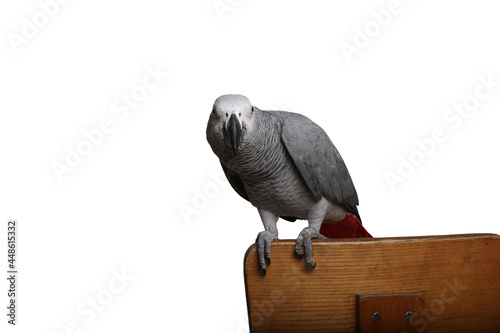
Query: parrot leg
(315, 217)
(304, 239)
(265, 238)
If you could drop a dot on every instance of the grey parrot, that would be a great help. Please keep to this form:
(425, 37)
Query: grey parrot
(286, 166)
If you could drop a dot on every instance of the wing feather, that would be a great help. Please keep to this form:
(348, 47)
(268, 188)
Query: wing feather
(318, 161)
(235, 182)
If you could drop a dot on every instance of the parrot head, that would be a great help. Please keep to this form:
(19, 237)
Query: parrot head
(231, 118)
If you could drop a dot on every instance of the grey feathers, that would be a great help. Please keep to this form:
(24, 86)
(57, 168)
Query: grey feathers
(280, 161)
(318, 161)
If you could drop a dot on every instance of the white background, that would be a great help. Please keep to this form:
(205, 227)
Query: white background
(138, 201)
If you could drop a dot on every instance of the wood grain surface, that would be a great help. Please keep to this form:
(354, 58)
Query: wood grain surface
(459, 274)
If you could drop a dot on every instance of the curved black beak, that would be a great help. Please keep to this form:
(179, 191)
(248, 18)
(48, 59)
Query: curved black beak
(233, 134)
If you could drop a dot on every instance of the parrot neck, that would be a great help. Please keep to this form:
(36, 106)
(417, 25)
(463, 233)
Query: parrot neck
(262, 151)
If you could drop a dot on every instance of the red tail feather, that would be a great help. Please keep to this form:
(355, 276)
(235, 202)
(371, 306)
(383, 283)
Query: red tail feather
(349, 227)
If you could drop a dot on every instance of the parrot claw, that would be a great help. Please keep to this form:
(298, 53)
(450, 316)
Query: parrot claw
(264, 241)
(304, 239)
(312, 267)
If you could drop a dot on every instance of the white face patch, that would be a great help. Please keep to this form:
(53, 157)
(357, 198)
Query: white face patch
(239, 105)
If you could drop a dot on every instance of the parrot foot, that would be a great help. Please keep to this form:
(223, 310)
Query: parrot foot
(264, 241)
(304, 239)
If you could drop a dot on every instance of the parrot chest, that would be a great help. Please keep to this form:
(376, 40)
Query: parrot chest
(279, 188)
(281, 200)
(270, 177)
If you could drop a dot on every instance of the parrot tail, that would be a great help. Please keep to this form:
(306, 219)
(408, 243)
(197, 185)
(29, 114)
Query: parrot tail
(349, 227)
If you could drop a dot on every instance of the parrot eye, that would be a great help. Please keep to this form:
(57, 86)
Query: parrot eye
(252, 110)
(213, 112)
